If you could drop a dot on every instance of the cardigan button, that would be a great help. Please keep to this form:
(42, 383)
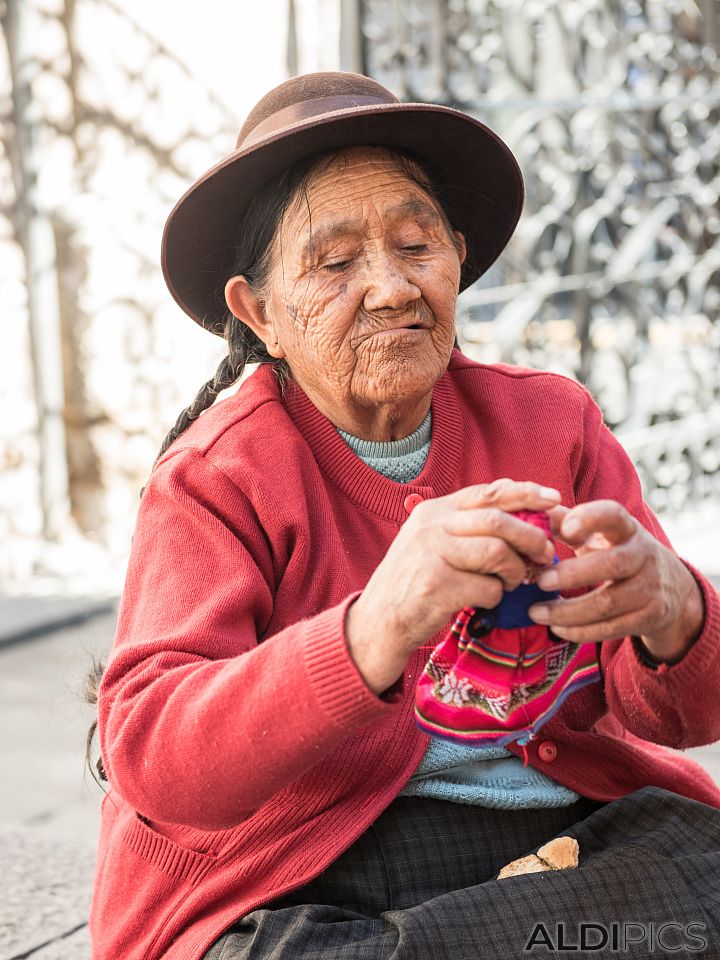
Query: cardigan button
(411, 501)
(547, 751)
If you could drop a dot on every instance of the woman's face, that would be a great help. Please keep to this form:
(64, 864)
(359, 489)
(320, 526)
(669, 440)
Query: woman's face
(362, 289)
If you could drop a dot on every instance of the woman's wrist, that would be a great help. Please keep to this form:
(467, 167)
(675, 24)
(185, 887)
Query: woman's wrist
(377, 662)
(671, 645)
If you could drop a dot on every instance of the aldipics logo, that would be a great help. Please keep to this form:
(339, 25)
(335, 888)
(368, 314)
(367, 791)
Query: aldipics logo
(618, 937)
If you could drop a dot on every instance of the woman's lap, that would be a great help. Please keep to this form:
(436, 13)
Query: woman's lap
(419, 884)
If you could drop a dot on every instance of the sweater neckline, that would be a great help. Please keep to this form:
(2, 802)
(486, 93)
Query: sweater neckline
(359, 481)
(391, 449)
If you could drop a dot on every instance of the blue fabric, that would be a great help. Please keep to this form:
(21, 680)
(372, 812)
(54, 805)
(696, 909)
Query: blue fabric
(487, 776)
(514, 606)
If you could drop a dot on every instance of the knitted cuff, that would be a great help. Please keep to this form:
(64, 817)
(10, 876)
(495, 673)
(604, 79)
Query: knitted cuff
(337, 683)
(644, 655)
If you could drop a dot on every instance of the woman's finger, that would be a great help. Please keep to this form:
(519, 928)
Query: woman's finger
(625, 626)
(607, 603)
(616, 563)
(493, 522)
(474, 590)
(485, 555)
(556, 515)
(507, 495)
(606, 517)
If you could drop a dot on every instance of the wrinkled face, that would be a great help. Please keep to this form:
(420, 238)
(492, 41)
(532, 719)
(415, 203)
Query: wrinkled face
(362, 289)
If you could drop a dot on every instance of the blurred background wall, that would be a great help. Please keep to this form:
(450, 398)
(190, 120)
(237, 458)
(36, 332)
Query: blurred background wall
(109, 111)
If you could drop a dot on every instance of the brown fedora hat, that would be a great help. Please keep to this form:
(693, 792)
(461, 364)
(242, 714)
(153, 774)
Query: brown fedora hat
(321, 112)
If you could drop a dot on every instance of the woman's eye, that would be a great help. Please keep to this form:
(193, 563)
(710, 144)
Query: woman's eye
(415, 248)
(337, 266)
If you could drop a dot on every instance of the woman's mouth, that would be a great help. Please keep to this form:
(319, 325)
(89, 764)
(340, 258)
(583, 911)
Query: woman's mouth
(411, 328)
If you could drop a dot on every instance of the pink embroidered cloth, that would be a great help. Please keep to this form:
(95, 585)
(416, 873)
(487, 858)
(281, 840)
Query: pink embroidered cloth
(498, 676)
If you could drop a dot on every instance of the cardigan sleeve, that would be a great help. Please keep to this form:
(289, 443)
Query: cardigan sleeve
(674, 705)
(199, 722)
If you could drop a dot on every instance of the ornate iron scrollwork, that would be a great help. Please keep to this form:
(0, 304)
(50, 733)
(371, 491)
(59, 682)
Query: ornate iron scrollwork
(613, 276)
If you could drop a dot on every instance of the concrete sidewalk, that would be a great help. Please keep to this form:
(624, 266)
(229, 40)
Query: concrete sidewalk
(45, 784)
(49, 804)
(24, 618)
(44, 897)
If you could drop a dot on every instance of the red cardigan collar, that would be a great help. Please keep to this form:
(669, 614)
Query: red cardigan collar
(360, 482)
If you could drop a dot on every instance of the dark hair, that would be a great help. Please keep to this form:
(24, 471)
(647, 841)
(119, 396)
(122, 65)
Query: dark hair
(252, 258)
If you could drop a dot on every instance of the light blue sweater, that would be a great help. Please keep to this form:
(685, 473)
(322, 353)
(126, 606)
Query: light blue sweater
(487, 776)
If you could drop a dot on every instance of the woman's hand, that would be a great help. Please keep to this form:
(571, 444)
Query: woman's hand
(641, 588)
(452, 552)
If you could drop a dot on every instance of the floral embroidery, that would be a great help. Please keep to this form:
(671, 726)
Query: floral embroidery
(454, 690)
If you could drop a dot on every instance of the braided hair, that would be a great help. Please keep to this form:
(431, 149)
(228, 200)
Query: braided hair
(251, 259)
(244, 347)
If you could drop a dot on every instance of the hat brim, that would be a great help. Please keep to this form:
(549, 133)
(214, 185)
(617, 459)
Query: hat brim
(479, 176)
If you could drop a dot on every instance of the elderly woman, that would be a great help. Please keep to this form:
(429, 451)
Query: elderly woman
(303, 546)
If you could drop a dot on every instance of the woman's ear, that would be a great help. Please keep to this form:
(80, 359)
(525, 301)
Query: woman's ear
(245, 305)
(461, 246)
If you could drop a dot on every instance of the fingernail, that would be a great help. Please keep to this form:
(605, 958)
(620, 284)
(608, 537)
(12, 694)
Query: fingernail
(539, 612)
(548, 581)
(550, 493)
(570, 526)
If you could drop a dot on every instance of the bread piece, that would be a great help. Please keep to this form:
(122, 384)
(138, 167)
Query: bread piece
(531, 864)
(561, 853)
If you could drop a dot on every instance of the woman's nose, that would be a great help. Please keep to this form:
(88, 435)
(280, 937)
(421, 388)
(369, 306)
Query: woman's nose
(388, 285)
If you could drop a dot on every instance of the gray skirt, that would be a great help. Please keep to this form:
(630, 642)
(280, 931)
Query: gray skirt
(419, 885)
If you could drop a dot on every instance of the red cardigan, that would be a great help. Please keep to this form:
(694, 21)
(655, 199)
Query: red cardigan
(243, 749)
